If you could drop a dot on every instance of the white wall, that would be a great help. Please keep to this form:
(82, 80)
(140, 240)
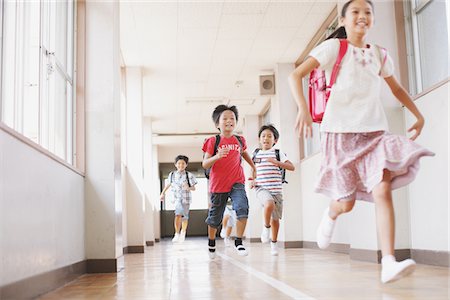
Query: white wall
(167, 154)
(428, 194)
(41, 212)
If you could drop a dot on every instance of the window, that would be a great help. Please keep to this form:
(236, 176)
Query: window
(37, 72)
(427, 35)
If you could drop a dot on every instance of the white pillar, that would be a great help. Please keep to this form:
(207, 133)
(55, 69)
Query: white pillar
(103, 177)
(254, 222)
(134, 161)
(149, 169)
(285, 110)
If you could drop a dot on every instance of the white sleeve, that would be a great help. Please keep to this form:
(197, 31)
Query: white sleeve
(192, 179)
(388, 68)
(326, 53)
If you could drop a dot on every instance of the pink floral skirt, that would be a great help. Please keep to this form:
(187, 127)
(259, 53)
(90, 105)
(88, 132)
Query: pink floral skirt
(353, 163)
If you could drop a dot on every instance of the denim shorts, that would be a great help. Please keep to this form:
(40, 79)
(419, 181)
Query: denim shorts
(182, 209)
(219, 201)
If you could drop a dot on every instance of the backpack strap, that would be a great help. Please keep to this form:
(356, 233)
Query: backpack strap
(343, 45)
(239, 141)
(255, 153)
(283, 171)
(170, 177)
(216, 145)
(187, 178)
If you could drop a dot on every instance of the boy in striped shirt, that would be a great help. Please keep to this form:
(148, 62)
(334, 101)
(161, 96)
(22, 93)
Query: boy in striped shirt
(269, 163)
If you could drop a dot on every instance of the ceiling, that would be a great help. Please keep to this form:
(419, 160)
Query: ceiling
(196, 55)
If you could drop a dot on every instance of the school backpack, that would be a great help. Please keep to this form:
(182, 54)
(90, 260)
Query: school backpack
(277, 154)
(216, 145)
(187, 178)
(319, 92)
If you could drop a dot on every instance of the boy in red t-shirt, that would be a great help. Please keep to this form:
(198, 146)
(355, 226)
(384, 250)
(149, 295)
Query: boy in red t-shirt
(226, 178)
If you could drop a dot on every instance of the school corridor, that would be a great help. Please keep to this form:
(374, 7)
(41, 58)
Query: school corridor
(97, 98)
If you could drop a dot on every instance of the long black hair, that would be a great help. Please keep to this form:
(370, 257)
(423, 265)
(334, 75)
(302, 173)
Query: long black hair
(340, 32)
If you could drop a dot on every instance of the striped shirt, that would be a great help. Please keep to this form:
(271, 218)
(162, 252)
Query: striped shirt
(177, 179)
(268, 175)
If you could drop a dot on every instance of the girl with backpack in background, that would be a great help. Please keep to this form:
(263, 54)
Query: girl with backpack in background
(182, 183)
(360, 158)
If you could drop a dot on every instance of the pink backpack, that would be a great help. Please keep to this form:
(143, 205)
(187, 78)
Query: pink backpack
(319, 92)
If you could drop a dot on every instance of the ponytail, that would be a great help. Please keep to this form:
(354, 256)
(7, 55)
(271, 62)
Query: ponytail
(339, 33)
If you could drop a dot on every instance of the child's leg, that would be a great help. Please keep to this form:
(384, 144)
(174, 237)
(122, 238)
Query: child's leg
(240, 206)
(269, 206)
(177, 223)
(384, 211)
(275, 227)
(391, 269)
(215, 215)
(326, 226)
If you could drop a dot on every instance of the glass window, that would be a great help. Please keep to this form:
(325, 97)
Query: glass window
(37, 67)
(429, 39)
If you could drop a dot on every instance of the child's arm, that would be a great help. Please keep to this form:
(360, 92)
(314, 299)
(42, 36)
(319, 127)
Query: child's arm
(304, 120)
(287, 165)
(208, 160)
(164, 191)
(402, 95)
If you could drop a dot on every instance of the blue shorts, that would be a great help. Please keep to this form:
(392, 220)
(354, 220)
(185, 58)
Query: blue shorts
(182, 209)
(219, 202)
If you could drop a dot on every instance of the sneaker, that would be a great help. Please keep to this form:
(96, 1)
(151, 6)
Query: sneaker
(392, 270)
(227, 241)
(182, 236)
(274, 248)
(223, 233)
(212, 252)
(241, 250)
(176, 237)
(325, 230)
(265, 235)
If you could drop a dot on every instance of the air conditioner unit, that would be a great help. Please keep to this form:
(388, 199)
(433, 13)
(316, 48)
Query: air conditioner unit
(267, 85)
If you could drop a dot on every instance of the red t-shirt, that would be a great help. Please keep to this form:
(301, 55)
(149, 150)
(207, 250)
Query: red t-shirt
(228, 170)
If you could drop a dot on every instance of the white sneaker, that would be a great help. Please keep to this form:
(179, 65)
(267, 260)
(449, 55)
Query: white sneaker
(265, 235)
(325, 230)
(392, 270)
(240, 249)
(274, 248)
(227, 241)
(176, 237)
(182, 236)
(211, 250)
(223, 233)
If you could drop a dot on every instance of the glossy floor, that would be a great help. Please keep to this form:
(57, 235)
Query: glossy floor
(184, 271)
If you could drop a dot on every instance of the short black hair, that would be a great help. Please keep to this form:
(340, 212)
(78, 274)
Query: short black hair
(182, 157)
(270, 127)
(220, 109)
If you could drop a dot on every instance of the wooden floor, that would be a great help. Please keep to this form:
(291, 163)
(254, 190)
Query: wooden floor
(184, 271)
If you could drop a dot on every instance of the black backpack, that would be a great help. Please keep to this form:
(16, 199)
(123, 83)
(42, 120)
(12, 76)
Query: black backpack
(216, 145)
(277, 154)
(187, 178)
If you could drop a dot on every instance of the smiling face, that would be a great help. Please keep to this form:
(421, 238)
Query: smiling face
(267, 139)
(180, 165)
(358, 18)
(227, 122)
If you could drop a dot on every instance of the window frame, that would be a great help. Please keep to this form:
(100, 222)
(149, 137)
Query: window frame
(411, 10)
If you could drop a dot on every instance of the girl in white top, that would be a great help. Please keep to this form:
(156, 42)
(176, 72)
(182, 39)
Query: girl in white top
(361, 159)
